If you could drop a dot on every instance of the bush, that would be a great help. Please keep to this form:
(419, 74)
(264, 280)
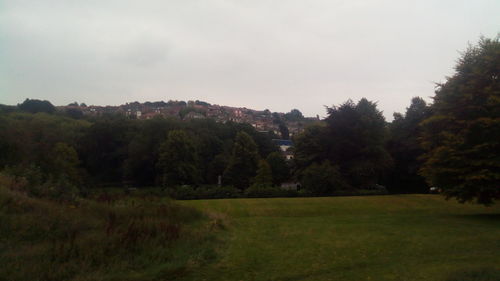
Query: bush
(256, 191)
(187, 192)
(322, 179)
(216, 192)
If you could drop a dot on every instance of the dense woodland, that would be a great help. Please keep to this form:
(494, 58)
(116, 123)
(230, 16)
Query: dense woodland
(452, 143)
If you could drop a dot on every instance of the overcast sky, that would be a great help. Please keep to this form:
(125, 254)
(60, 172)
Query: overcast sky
(269, 54)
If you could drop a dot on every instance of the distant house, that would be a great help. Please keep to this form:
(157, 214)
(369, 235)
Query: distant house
(194, 115)
(283, 144)
(285, 147)
(149, 115)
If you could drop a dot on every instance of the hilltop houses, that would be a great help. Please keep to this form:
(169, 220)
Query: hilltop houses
(263, 121)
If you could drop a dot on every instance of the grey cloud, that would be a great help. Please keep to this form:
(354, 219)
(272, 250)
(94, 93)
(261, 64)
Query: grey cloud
(260, 54)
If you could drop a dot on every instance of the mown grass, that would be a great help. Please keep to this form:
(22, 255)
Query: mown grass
(126, 239)
(407, 237)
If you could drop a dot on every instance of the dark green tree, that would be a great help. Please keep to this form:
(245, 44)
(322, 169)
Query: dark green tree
(322, 179)
(65, 163)
(35, 106)
(264, 177)
(74, 113)
(243, 163)
(177, 160)
(294, 115)
(104, 148)
(279, 168)
(404, 147)
(285, 133)
(311, 146)
(462, 137)
(356, 136)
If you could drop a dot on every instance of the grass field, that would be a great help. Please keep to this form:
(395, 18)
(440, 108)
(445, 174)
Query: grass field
(130, 239)
(407, 237)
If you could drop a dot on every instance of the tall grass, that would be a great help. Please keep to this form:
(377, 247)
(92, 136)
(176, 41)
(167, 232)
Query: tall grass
(126, 239)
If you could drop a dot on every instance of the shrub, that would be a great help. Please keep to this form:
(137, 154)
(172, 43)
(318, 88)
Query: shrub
(256, 191)
(187, 192)
(322, 179)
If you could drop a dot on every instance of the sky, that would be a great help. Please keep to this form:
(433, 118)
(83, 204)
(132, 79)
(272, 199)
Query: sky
(275, 55)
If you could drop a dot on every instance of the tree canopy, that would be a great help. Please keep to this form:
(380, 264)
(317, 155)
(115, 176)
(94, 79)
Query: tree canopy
(34, 106)
(352, 139)
(177, 160)
(404, 147)
(243, 163)
(462, 136)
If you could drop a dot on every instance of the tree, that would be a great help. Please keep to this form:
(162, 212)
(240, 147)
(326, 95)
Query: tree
(243, 163)
(294, 115)
(104, 148)
(264, 177)
(177, 160)
(322, 179)
(310, 146)
(34, 106)
(404, 147)
(279, 168)
(462, 137)
(285, 133)
(355, 141)
(65, 163)
(74, 113)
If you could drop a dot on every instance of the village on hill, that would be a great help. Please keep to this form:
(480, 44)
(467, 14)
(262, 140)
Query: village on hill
(282, 124)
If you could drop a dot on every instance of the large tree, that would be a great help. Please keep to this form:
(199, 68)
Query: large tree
(404, 147)
(352, 138)
(243, 163)
(34, 106)
(356, 135)
(264, 177)
(279, 168)
(462, 137)
(177, 160)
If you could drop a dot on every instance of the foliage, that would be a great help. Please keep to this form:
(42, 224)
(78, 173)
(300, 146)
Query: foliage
(104, 148)
(130, 238)
(243, 163)
(35, 106)
(279, 168)
(294, 115)
(264, 177)
(462, 137)
(310, 146)
(267, 191)
(322, 179)
(353, 139)
(188, 192)
(404, 147)
(177, 160)
(74, 113)
(186, 110)
(113, 150)
(357, 135)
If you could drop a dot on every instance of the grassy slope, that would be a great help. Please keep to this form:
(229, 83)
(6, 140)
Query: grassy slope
(409, 237)
(130, 239)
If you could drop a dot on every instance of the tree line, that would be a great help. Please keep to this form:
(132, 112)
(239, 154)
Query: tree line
(452, 144)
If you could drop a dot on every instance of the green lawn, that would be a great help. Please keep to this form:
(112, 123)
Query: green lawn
(406, 237)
